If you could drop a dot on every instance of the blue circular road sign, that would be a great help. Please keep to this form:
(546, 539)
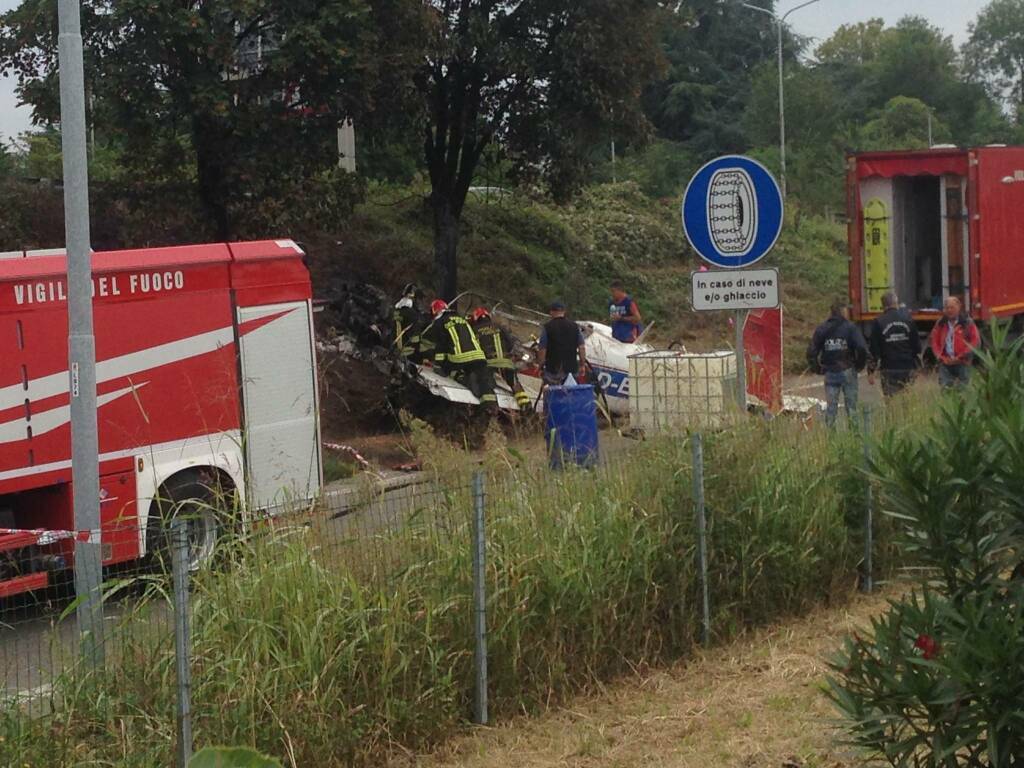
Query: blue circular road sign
(732, 212)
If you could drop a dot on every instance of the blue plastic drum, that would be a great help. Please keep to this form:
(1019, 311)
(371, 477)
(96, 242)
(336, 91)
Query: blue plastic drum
(571, 425)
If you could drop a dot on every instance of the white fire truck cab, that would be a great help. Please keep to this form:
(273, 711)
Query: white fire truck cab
(206, 379)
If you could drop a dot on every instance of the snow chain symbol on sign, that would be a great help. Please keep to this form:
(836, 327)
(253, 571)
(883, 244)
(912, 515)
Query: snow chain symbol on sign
(732, 211)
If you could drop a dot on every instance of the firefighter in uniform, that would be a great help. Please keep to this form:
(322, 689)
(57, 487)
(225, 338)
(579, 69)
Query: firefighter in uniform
(497, 346)
(410, 323)
(457, 353)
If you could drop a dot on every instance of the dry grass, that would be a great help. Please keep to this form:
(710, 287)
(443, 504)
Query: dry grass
(754, 703)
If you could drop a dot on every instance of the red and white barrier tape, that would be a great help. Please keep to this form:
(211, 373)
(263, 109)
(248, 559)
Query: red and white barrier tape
(350, 451)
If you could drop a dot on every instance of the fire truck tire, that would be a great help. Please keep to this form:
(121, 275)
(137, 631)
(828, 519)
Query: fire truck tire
(202, 498)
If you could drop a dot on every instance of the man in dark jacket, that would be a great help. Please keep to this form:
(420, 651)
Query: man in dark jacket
(895, 346)
(562, 348)
(839, 351)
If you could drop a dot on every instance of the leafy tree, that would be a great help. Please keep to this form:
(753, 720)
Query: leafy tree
(996, 48)
(974, 117)
(852, 45)
(914, 59)
(871, 64)
(546, 80)
(7, 161)
(713, 50)
(902, 124)
(813, 106)
(229, 92)
(41, 157)
(846, 58)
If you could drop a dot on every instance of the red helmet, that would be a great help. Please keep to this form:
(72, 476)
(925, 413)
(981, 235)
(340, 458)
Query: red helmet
(437, 306)
(480, 313)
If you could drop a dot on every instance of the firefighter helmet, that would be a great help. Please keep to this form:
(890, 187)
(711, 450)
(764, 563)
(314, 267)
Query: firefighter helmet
(437, 306)
(480, 313)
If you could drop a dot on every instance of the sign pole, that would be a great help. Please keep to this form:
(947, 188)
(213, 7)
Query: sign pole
(81, 343)
(741, 361)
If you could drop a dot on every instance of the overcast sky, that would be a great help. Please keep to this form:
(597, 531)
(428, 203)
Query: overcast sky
(818, 21)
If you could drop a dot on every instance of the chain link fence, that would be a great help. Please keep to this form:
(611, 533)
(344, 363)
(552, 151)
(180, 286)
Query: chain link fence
(458, 594)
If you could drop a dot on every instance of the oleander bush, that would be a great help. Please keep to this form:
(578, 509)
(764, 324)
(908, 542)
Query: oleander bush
(939, 679)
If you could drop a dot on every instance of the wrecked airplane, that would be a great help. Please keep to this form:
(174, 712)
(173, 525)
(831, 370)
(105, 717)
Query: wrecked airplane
(368, 380)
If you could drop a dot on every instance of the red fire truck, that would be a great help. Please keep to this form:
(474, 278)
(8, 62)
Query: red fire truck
(205, 379)
(935, 223)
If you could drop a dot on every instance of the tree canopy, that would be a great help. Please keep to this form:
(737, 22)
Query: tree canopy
(233, 93)
(226, 111)
(996, 49)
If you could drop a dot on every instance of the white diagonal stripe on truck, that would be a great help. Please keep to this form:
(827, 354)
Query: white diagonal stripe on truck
(15, 395)
(47, 421)
(116, 367)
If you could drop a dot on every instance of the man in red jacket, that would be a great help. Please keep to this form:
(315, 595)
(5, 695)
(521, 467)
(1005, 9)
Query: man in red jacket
(953, 340)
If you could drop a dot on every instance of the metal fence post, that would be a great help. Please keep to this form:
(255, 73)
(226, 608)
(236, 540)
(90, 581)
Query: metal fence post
(179, 570)
(702, 545)
(479, 600)
(868, 583)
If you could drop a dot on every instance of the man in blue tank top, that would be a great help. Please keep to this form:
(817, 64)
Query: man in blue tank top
(624, 315)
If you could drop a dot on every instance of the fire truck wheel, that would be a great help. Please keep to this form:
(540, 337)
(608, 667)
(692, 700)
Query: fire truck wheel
(199, 498)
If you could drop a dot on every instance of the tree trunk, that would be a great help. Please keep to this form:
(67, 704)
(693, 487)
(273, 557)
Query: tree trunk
(446, 244)
(212, 152)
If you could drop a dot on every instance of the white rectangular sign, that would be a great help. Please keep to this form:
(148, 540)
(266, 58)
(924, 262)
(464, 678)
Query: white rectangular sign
(735, 289)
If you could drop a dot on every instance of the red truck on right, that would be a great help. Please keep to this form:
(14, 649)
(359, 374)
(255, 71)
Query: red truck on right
(934, 223)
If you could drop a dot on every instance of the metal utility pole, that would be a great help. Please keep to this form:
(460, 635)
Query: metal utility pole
(780, 21)
(347, 146)
(782, 114)
(81, 343)
(614, 178)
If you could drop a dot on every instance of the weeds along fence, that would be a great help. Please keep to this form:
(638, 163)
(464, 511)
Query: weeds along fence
(349, 631)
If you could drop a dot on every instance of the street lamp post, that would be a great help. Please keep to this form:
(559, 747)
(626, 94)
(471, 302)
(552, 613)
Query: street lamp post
(779, 23)
(81, 344)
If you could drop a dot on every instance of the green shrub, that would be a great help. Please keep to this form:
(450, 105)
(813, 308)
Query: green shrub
(939, 680)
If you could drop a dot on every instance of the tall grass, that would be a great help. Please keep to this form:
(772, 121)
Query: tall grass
(306, 648)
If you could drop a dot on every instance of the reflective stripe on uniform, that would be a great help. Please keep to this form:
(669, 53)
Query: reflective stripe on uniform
(458, 355)
(406, 345)
(496, 357)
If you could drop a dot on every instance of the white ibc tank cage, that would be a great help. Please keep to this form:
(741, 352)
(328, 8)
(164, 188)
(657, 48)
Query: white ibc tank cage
(672, 390)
